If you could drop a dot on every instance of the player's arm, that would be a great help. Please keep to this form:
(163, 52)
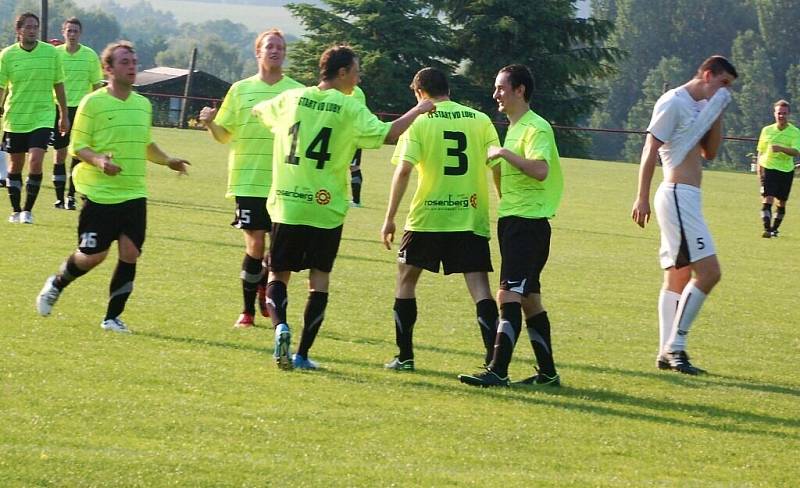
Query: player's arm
(786, 150)
(399, 185)
(220, 134)
(63, 117)
(535, 168)
(156, 155)
(641, 207)
(709, 144)
(496, 175)
(400, 125)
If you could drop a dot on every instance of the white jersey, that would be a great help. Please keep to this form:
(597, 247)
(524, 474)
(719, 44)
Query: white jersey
(673, 121)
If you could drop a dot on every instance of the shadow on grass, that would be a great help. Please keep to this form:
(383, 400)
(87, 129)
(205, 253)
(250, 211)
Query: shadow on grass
(188, 206)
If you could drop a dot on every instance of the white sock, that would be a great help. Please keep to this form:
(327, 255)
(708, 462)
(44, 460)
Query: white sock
(692, 299)
(667, 308)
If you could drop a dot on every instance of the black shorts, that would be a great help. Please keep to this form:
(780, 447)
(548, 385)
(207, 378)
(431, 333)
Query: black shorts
(101, 224)
(22, 142)
(459, 252)
(251, 214)
(776, 183)
(356, 161)
(299, 247)
(524, 249)
(58, 141)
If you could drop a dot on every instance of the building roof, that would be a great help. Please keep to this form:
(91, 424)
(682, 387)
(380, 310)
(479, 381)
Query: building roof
(159, 74)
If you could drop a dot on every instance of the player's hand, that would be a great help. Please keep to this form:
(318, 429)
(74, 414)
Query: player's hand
(641, 212)
(387, 233)
(207, 114)
(179, 165)
(63, 124)
(494, 152)
(425, 106)
(107, 166)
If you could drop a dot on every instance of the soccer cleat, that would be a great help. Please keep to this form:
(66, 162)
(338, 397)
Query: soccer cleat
(774, 232)
(262, 300)
(14, 218)
(662, 362)
(484, 379)
(245, 321)
(540, 379)
(60, 205)
(115, 325)
(47, 297)
(300, 362)
(397, 365)
(679, 361)
(355, 205)
(283, 340)
(766, 234)
(26, 217)
(71, 203)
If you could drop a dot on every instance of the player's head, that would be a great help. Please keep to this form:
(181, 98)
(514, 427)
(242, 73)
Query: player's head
(27, 27)
(781, 112)
(71, 29)
(432, 82)
(513, 88)
(120, 62)
(716, 72)
(270, 49)
(339, 65)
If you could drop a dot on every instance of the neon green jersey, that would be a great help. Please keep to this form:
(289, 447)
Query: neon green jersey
(250, 156)
(316, 133)
(788, 137)
(81, 72)
(358, 94)
(522, 196)
(449, 149)
(28, 77)
(121, 128)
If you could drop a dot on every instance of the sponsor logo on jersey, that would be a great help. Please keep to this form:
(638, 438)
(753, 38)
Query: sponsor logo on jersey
(294, 194)
(323, 197)
(452, 203)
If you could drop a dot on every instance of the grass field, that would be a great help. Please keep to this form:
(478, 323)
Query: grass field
(186, 400)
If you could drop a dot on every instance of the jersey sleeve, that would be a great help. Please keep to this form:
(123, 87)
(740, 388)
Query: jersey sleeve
(491, 139)
(370, 132)
(3, 72)
(81, 132)
(58, 67)
(762, 141)
(268, 110)
(664, 120)
(226, 117)
(408, 148)
(538, 146)
(95, 71)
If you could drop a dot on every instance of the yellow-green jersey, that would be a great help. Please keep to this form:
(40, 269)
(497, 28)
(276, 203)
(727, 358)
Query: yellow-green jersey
(449, 149)
(771, 134)
(358, 94)
(531, 137)
(120, 128)
(316, 133)
(250, 156)
(28, 78)
(81, 72)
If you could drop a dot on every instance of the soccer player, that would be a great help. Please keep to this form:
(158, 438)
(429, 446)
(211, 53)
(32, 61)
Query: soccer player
(30, 71)
(778, 145)
(686, 113)
(250, 161)
(317, 131)
(356, 178)
(527, 173)
(82, 75)
(112, 138)
(448, 221)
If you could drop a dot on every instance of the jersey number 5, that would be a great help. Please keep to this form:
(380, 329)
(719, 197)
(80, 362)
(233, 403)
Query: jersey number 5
(457, 152)
(317, 150)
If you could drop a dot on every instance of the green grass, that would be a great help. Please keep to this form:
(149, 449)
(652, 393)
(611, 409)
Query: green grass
(189, 401)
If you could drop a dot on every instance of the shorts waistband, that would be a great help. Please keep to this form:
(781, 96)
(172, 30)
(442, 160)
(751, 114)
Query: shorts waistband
(679, 186)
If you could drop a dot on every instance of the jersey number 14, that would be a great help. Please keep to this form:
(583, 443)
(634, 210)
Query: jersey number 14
(317, 150)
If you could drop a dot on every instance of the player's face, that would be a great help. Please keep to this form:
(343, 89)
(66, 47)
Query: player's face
(272, 52)
(781, 115)
(29, 31)
(72, 34)
(351, 77)
(123, 71)
(715, 82)
(504, 94)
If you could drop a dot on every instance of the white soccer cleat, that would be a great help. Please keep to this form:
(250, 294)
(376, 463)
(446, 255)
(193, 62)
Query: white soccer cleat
(14, 218)
(26, 217)
(115, 325)
(47, 297)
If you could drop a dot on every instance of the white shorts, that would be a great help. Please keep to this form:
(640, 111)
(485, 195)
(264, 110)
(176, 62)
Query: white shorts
(685, 237)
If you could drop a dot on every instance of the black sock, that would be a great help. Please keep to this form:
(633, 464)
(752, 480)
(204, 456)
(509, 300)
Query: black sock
(120, 289)
(71, 191)
(252, 273)
(508, 331)
(312, 320)
(59, 180)
(356, 189)
(68, 273)
(14, 184)
(32, 190)
(766, 215)
(277, 301)
(779, 218)
(539, 334)
(405, 316)
(487, 321)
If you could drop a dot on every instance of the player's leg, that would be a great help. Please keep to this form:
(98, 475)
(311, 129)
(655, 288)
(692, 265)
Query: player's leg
(785, 189)
(675, 280)
(16, 163)
(38, 141)
(766, 203)
(485, 310)
(252, 274)
(405, 316)
(60, 144)
(70, 203)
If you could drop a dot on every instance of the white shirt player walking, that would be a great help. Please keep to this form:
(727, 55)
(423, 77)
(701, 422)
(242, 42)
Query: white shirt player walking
(686, 126)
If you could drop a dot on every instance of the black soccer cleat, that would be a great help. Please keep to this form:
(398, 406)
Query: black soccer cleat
(540, 379)
(679, 361)
(484, 379)
(766, 234)
(662, 362)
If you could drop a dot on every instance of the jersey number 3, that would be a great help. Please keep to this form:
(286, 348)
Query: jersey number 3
(317, 150)
(456, 152)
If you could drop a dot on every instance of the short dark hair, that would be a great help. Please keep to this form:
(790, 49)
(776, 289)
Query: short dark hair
(25, 16)
(520, 75)
(717, 65)
(72, 20)
(333, 59)
(432, 81)
(107, 57)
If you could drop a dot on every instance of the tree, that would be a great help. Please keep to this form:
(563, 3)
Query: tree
(149, 29)
(393, 38)
(214, 56)
(778, 21)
